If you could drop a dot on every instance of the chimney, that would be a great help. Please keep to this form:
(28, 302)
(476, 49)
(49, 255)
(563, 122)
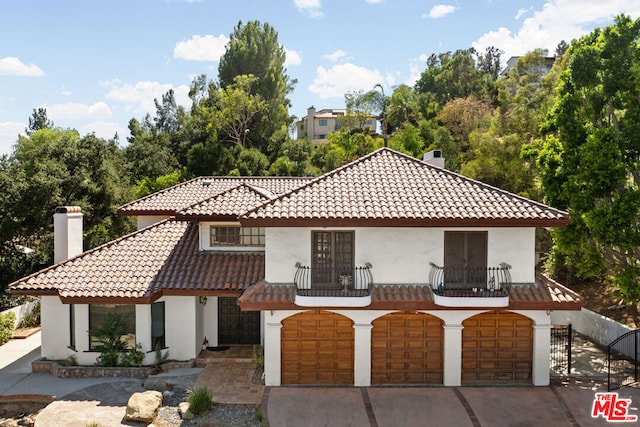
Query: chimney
(67, 233)
(434, 158)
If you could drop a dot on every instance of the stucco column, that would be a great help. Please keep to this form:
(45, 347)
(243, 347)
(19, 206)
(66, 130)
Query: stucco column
(541, 348)
(362, 354)
(272, 361)
(452, 354)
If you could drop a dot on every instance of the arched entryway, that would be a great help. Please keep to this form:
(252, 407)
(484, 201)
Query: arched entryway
(407, 348)
(317, 348)
(497, 348)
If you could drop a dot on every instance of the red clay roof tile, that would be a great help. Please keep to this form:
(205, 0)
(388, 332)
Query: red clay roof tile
(389, 188)
(186, 194)
(163, 258)
(545, 294)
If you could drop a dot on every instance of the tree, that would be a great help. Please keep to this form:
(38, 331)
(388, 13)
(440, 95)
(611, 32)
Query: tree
(238, 109)
(254, 49)
(590, 157)
(449, 76)
(38, 120)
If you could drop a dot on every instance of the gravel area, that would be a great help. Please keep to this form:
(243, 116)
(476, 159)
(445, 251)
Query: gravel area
(219, 416)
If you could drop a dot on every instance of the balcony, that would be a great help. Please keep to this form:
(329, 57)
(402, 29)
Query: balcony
(455, 286)
(322, 287)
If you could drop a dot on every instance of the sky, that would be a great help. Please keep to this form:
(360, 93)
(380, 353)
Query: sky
(95, 65)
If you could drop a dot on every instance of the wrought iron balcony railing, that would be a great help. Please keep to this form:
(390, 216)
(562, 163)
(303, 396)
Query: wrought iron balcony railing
(464, 281)
(351, 282)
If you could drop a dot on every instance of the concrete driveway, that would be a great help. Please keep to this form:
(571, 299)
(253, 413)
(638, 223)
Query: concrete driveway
(561, 404)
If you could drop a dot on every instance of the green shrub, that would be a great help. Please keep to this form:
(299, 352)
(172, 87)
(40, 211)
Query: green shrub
(132, 357)
(109, 335)
(159, 357)
(258, 355)
(7, 326)
(200, 400)
(32, 319)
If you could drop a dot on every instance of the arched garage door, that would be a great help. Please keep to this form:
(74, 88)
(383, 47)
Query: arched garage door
(497, 348)
(406, 349)
(317, 348)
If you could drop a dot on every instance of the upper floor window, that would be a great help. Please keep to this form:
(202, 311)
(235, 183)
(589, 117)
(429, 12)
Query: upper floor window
(323, 122)
(236, 236)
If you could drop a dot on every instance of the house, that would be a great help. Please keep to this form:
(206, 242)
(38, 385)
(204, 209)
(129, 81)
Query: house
(543, 69)
(387, 270)
(317, 125)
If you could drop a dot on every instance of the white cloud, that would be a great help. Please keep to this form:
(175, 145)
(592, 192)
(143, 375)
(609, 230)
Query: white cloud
(73, 110)
(374, 1)
(105, 130)
(9, 135)
(12, 66)
(340, 79)
(313, 8)
(335, 56)
(292, 57)
(440, 11)
(521, 13)
(201, 48)
(558, 20)
(139, 97)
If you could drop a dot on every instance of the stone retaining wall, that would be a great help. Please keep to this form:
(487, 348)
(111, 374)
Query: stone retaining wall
(52, 367)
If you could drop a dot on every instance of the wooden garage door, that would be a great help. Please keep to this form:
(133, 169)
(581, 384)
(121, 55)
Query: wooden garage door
(406, 349)
(317, 348)
(497, 348)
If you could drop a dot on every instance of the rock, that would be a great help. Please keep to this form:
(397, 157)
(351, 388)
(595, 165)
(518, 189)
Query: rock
(185, 413)
(144, 406)
(167, 393)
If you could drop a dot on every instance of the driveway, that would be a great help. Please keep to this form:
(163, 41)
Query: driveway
(561, 404)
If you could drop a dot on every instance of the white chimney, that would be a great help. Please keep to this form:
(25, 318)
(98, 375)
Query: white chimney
(67, 233)
(434, 158)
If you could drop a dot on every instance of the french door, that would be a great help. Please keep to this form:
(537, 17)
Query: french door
(465, 259)
(332, 257)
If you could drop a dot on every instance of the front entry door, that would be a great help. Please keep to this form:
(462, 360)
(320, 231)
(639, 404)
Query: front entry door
(235, 326)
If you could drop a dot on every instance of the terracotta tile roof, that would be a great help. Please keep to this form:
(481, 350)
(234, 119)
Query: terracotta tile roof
(545, 294)
(387, 188)
(227, 205)
(186, 194)
(161, 259)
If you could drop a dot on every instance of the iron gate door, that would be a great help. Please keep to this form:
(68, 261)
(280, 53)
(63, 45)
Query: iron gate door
(235, 326)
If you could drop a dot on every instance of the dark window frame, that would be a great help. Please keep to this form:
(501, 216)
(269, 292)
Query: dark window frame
(72, 327)
(158, 339)
(329, 259)
(93, 324)
(236, 236)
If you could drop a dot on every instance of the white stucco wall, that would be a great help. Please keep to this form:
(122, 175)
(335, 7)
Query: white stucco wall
(399, 255)
(54, 318)
(147, 220)
(182, 338)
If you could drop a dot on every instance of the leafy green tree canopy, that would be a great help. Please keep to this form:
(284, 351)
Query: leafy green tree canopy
(590, 157)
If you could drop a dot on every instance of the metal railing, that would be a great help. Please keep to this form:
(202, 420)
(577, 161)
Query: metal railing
(474, 279)
(561, 344)
(622, 360)
(312, 281)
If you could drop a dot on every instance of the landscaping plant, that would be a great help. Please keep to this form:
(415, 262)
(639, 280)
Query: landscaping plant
(109, 335)
(200, 400)
(7, 323)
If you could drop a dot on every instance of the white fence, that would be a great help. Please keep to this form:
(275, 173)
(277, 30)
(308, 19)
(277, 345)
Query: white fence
(598, 328)
(22, 311)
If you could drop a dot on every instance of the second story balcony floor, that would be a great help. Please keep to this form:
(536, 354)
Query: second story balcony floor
(466, 286)
(345, 285)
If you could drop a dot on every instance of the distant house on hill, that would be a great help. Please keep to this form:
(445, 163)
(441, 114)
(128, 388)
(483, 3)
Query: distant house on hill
(317, 125)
